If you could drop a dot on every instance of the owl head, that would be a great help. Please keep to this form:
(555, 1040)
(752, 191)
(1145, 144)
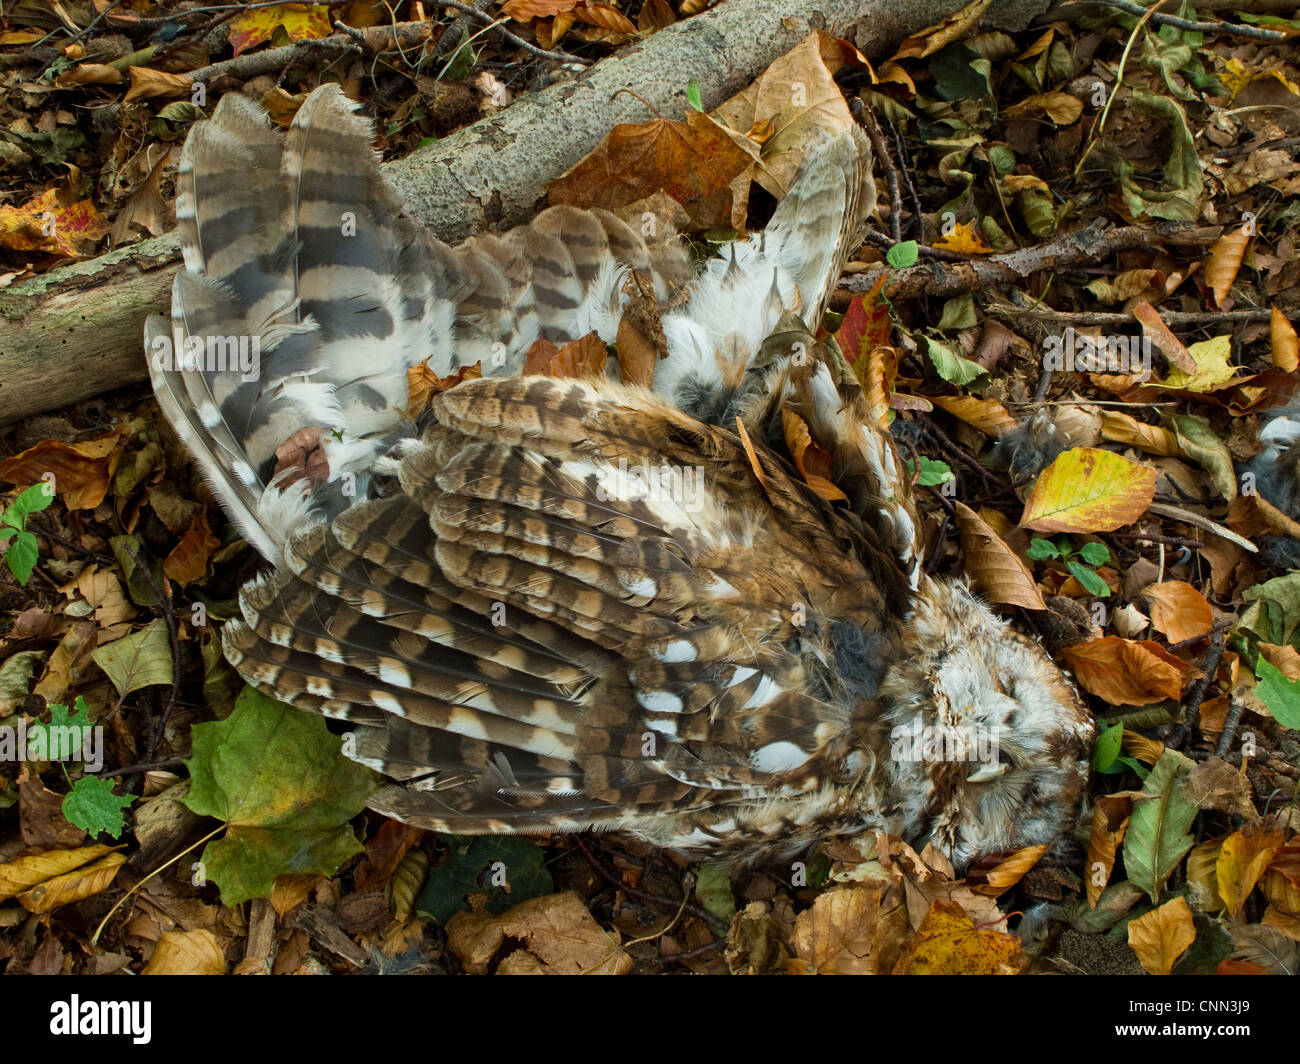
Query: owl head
(989, 742)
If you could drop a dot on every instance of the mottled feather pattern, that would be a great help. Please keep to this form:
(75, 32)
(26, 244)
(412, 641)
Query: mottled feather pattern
(578, 604)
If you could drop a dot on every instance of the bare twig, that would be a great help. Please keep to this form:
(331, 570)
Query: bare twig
(499, 27)
(1192, 712)
(1231, 29)
(867, 120)
(616, 880)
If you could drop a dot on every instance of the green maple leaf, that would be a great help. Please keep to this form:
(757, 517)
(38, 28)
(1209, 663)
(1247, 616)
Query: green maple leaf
(92, 806)
(280, 781)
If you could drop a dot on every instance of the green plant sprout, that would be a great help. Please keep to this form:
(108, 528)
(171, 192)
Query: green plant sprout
(1081, 563)
(21, 553)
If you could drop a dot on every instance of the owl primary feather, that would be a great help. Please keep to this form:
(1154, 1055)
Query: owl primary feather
(556, 604)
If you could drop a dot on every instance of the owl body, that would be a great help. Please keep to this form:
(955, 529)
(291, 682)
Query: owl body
(561, 604)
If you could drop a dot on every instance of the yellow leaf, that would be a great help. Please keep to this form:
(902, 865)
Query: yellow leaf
(1006, 874)
(1110, 816)
(1121, 428)
(1089, 490)
(966, 239)
(1212, 369)
(187, 953)
(995, 569)
(26, 872)
(1162, 936)
(72, 886)
(1245, 855)
(1286, 345)
(300, 21)
(949, 943)
(1225, 260)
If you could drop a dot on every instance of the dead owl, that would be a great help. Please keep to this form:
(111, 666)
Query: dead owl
(563, 604)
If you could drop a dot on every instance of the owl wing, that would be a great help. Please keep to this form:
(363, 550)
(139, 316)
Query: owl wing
(307, 295)
(582, 607)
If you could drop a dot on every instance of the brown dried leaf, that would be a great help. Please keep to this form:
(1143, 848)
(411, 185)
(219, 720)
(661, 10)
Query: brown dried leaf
(584, 357)
(995, 569)
(423, 384)
(813, 463)
(1123, 671)
(1162, 936)
(1245, 855)
(191, 559)
(949, 943)
(23, 873)
(987, 415)
(84, 882)
(1285, 343)
(1178, 610)
(857, 930)
(187, 953)
(1155, 329)
(1153, 439)
(82, 471)
(1007, 873)
(1224, 261)
(695, 161)
(560, 935)
(148, 84)
(1110, 815)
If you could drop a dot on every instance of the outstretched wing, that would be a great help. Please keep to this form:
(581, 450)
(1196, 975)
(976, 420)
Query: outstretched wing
(307, 295)
(583, 607)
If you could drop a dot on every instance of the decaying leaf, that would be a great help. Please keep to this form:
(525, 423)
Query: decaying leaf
(995, 569)
(1126, 671)
(1244, 857)
(811, 461)
(949, 943)
(1089, 490)
(857, 930)
(81, 471)
(1161, 936)
(83, 882)
(584, 357)
(1178, 610)
(194, 952)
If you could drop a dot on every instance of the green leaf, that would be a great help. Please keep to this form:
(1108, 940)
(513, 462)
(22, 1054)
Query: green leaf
(1040, 550)
(713, 890)
(282, 784)
(1282, 596)
(15, 676)
(508, 870)
(950, 365)
(92, 806)
(21, 556)
(1107, 749)
(902, 255)
(1280, 694)
(141, 659)
(693, 95)
(958, 313)
(934, 473)
(126, 549)
(1095, 553)
(1089, 580)
(64, 736)
(29, 501)
(1157, 837)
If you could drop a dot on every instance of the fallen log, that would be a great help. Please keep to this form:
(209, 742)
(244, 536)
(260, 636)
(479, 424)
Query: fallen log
(76, 331)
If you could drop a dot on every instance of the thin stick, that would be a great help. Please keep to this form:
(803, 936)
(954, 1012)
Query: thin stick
(1232, 29)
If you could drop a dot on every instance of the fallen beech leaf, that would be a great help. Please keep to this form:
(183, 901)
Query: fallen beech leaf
(1215, 784)
(1178, 610)
(813, 463)
(1285, 343)
(1245, 855)
(1120, 428)
(1254, 515)
(302, 22)
(49, 225)
(857, 930)
(1286, 659)
(560, 937)
(23, 873)
(1138, 746)
(654, 15)
(1110, 816)
(83, 882)
(1212, 370)
(149, 84)
(82, 471)
(606, 17)
(1123, 671)
(526, 10)
(291, 890)
(949, 943)
(1202, 876)
(1161, 936)
(584, 357)
(929, 40)
(995, 569)
(1007, 873)
(1224, 261)
(187, 953)
(1155, 329)
(987, 415)
(90, 74)
(965, 239)
(423, 384)
(798, 96)
(1089, 490)
(695, 161)
(640, 342)
(191, 558)
(1062, 108)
